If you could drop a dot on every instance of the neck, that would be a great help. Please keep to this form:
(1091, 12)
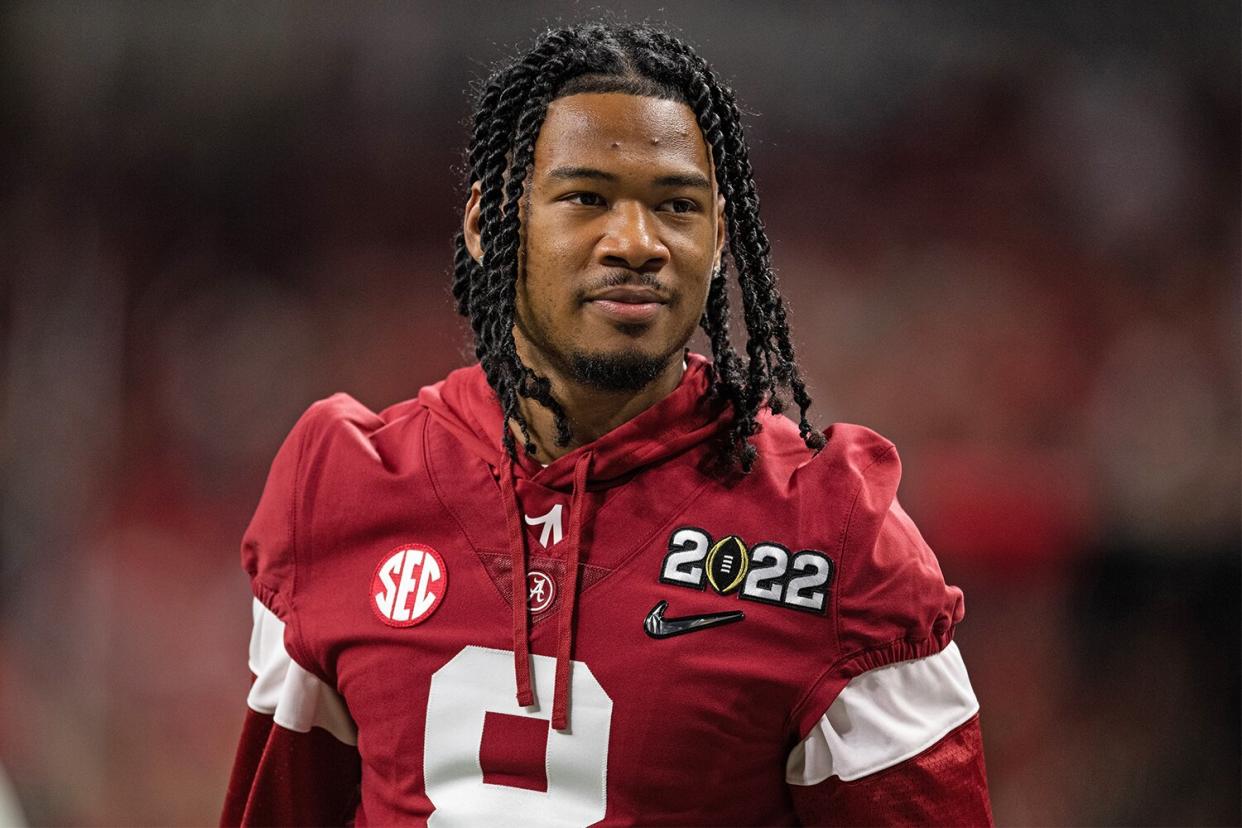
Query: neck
(592, 412)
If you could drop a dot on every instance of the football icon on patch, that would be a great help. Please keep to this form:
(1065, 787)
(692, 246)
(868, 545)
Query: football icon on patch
(408, 585)
(727, 562)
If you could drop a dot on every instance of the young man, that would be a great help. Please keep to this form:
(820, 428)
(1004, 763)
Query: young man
(596, 578)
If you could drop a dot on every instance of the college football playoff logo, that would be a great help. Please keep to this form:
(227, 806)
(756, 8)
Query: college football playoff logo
(727, 564)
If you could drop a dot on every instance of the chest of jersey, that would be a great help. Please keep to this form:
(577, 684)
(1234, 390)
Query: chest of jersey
(702, 618)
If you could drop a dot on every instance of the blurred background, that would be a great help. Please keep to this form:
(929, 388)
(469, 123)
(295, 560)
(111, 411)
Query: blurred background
(1008, 231)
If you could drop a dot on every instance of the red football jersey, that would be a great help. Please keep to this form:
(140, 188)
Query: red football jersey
(733, 649)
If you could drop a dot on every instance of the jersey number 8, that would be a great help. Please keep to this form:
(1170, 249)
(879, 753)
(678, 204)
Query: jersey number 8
(479, 680)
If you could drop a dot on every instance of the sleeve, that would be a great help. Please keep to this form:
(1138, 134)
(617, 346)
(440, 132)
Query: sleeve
(297, 762)
(900, 745)
(272, 543)
(889, 733)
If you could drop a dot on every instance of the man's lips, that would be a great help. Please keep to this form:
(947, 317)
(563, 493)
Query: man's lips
(628, 294)
(627, 304)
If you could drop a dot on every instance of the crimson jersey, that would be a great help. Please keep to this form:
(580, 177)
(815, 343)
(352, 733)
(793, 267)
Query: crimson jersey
(688, 646)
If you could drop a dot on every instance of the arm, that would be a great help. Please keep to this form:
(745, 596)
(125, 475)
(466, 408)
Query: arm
(889, 733)
(297, 762)
(900, 745)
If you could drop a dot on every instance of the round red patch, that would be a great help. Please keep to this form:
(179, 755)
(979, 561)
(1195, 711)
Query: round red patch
(408, 585)
(540, 591)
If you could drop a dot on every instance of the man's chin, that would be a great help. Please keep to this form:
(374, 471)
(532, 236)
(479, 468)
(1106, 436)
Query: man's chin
(628, 370)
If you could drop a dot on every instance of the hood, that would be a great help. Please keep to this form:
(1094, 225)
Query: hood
(465, 404)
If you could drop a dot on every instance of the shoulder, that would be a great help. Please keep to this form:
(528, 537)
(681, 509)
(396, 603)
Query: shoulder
(339, 408)
(341, 417)
(849, 482)
(850, 451)
(334, 443)
(892, 601)
(844, 494)
(890, 595)
(339, 437)
(888, 598)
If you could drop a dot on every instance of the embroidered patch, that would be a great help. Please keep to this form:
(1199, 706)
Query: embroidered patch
(766, 572)
(408, 585)
(540, 591)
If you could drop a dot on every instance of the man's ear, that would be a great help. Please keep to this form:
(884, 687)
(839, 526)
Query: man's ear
(720, 231)
(470, 224)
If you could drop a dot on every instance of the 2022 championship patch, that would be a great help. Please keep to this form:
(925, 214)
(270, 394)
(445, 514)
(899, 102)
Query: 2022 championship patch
(766, 572)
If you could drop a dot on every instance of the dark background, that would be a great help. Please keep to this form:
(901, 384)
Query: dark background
(1009, 234)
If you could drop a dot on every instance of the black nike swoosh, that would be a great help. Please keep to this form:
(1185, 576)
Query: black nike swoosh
(657, 626)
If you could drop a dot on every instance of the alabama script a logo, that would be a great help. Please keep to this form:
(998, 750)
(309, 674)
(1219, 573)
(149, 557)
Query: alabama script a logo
(408, 585)
(540, 590)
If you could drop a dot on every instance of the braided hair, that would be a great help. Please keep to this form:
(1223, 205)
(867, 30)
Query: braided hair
(637, 60)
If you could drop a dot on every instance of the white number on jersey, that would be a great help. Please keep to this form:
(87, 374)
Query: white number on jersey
(479, 680)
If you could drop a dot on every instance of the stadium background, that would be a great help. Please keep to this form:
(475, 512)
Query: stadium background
(1009, 233)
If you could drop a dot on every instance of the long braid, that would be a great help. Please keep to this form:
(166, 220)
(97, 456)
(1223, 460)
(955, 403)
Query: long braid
(782, 366)
(763, 307)
(510, 112)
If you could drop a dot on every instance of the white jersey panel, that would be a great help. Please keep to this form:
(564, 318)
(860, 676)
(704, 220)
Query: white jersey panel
(296, 699)
(885, 716)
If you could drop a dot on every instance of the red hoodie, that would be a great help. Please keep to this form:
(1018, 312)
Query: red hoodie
(757, 649)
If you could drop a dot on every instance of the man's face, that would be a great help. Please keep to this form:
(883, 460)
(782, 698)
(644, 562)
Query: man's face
(622, 228)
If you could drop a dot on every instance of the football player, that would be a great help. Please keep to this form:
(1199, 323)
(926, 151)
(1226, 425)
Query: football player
(596, 578)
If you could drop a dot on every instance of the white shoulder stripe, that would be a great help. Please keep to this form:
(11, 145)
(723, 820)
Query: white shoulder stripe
(885, 716)
(296, 699)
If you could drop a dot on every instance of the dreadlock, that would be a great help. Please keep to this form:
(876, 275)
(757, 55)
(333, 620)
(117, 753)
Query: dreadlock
(637, 60)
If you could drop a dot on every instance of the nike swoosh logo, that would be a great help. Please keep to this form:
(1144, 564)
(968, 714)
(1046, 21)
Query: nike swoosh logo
(657, 626)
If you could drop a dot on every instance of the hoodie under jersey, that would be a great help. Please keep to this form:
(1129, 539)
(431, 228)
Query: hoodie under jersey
(840, 582)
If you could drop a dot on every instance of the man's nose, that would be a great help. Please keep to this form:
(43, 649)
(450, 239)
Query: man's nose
(631, 239)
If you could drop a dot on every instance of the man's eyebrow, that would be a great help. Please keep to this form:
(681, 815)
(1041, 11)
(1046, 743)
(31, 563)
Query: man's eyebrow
(694, 180)
(581, 172)
(686, 180)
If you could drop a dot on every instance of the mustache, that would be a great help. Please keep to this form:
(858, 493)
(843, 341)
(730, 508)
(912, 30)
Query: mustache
(618, 278)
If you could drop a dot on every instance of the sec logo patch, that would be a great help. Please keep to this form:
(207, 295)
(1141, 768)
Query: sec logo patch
(408, 585)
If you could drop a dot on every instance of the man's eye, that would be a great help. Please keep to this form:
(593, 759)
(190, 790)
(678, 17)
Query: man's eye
(682, 205)
(586, 199)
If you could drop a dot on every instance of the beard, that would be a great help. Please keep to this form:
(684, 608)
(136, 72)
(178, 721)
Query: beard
(629, 370)
(623, 371)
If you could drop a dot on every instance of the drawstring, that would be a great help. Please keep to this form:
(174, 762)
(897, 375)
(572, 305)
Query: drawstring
(517, 553)
(569, 596)
(569, 591)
